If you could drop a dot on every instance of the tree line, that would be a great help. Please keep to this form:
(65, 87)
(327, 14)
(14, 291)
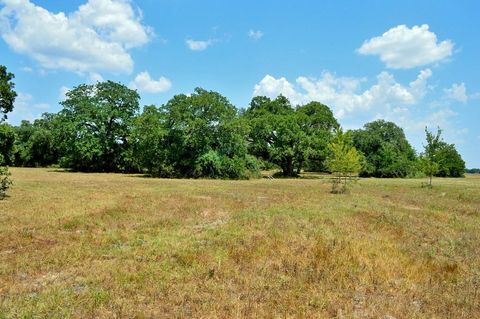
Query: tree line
(101, 129)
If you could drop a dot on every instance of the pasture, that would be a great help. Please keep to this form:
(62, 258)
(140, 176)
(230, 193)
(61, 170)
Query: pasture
(76, 245)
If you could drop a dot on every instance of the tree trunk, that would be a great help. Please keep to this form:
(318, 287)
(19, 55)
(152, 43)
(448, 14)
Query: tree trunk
(288, 167)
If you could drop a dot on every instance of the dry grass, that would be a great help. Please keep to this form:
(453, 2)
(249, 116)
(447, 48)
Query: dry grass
(121, 246)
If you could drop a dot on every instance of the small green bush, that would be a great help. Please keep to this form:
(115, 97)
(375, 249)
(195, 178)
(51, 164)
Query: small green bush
(5, 181)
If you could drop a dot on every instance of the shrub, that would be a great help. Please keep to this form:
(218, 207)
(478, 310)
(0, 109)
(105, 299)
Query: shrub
(343, 161)
(5, 181)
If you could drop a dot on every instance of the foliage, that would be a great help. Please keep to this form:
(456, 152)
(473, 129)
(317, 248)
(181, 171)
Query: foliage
(7, 92)
(441, 159)
(5, 181)
(472, 171)
(149, 136)
(318, 123)
(343, 161)
(450, 161)
(204, 136)
(7, 138)
(386, 150)
(36, 144)
(96, 123)
(7, 143)
(289, 137)
(429, 161)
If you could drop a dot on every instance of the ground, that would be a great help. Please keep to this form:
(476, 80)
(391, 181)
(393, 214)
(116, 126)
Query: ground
(76, 245)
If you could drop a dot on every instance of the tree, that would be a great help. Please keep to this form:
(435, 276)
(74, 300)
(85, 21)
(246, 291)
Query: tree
(440, 158)
(96, 125)
(343, 161)
(429, 160)
(150, 148)
(203, 130)
(450, 161)
(7, 92)
(318, 123)
(7, 98)
(7, 143)
(275, 132)
(36, 144)
(286, 136)
(472, 171)
(386, 150)
(5, 181)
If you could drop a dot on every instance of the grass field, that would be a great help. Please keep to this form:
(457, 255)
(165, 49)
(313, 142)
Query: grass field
(78, 245)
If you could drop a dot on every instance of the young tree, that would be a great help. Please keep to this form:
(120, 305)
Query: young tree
(343, 161)
(440, 158)
(428, 159)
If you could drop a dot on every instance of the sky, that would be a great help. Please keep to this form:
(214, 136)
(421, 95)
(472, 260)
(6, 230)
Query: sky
(411, 62)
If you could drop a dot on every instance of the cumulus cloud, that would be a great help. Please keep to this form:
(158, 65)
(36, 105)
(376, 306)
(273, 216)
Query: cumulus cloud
(342, 93)
(457, 92)
(403, 48)
(63, 93)
(198, 45)
(94, 38)
(144, 83)
(26, 108)
(255, 35)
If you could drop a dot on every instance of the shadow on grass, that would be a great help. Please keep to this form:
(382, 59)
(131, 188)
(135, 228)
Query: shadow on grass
(264, 175)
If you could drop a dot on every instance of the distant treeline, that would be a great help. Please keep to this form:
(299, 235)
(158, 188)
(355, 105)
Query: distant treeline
(101, 129)
(472, 170)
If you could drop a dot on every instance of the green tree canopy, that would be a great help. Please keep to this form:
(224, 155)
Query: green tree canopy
(150, 147)
(440, 158)
(343, 160)
(36, 144)
(286, 136)
(204, 136)
(96, 125)
(7, 142)
(7, 92)
(386, 149)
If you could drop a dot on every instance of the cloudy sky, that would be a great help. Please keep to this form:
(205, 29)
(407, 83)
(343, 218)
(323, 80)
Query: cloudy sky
(412, 62)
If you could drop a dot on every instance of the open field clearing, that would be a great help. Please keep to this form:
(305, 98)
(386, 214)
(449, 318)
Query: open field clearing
(76, 245)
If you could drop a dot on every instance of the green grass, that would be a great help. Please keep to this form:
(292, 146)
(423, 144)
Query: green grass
(78, 245)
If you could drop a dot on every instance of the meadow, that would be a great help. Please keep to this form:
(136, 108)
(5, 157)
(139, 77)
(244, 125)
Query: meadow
(77, 245)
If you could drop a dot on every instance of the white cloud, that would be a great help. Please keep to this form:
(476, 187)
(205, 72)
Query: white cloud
(463, 131)
(144, 83)
(341, 93)
(404, 48)
(63, 93)
(95, 38)
(95, 77)
(457, 92)
(198, 45)
(25, 108)
(255, 35)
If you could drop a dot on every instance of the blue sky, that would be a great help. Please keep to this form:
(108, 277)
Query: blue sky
(412, 62)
